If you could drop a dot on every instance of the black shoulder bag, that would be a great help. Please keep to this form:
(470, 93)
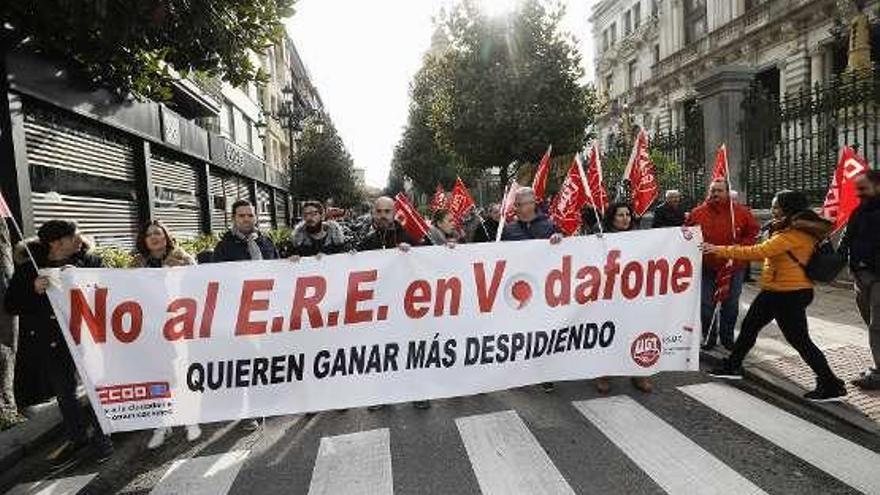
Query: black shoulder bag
(824, 264)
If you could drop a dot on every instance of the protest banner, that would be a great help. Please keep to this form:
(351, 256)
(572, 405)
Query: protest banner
(226, 341)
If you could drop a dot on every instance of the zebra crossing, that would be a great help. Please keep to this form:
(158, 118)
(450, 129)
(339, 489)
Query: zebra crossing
(503, 454)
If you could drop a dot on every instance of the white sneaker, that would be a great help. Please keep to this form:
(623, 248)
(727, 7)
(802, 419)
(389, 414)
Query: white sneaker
(158, 438)
(193, 432)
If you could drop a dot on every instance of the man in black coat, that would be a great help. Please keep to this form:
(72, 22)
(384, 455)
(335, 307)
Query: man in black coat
(43, 357)
(669, 213)
(244, 242)
(386, 232)
(862, 242)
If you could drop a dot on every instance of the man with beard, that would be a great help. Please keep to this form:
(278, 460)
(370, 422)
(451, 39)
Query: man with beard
(862, 242)
(489, 226)
(244, 242)
(387, 233)
(714, 218)
(315, 236)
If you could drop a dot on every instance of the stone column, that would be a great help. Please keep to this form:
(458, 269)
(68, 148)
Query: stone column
(817, 66)
(721, 92)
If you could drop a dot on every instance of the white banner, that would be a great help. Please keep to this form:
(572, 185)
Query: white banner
(234, 340)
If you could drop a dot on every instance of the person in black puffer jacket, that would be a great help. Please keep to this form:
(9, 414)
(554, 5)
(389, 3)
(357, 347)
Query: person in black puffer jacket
(43, 359)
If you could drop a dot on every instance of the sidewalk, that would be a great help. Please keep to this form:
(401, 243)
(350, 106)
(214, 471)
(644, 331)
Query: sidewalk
(43, 424)
(837, 328)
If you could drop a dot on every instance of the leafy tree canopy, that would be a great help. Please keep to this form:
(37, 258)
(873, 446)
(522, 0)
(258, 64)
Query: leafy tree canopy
(496, 89)
(129, 46)
(323, 168)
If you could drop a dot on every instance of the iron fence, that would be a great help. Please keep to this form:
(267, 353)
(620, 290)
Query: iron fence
(793, 143)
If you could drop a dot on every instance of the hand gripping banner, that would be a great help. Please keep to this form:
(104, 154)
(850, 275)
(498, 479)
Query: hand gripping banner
(235, 340)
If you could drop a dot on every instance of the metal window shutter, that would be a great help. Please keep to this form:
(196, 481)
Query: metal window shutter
(109, 222)
(242, 191)
(219, 216)
(61, 141)
(264, 214)
(177, 195)
(281, 209)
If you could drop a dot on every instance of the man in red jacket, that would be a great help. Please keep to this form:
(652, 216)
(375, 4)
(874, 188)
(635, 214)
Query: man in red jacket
(713, 217)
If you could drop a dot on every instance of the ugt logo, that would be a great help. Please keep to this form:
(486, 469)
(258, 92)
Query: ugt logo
(646, 349)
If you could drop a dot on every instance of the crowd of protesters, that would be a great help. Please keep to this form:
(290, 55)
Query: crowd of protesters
(35, 363)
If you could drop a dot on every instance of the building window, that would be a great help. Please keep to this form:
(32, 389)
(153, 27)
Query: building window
(750, 4)
(637, 15)
(655, 8)
(613, 34)
(605, 40)
(657, 53)
(627, 23)
(227, 124)
(240, 132)
(694, 20)
(609, 84)
(632, 75)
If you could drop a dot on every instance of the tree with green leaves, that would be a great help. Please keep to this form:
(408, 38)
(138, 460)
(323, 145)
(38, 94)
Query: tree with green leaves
(500, 89)
(132, 46)
(323, 169)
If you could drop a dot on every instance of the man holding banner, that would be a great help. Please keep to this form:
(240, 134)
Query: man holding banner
(723, 223)
(44, 354)
(530, 224)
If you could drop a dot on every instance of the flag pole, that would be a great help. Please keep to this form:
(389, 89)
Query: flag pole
(589, 191)
(5, 211)
(503, 220)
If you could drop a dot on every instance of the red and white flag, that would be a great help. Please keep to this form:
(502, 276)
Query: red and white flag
(5, 212)
(841, 200)
(507, 210)
(412, 222)
(565, 210)
(460, 202)
(597, 196)
(539, 184)
(438, 200)
(642, 176)
(721, 169)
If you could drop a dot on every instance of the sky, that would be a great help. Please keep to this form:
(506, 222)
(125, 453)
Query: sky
(362, 55)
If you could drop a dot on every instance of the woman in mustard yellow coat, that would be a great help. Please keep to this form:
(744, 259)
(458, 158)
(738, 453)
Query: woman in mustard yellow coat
(786, 291)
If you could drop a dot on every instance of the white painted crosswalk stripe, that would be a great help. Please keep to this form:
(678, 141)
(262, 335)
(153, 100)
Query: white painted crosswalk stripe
(671, 459)
(208, 475)
(61, 486)
(506, 457)
(849, 462)
(354, 464)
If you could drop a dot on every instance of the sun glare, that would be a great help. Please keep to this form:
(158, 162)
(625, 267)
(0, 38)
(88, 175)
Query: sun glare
(498, 7)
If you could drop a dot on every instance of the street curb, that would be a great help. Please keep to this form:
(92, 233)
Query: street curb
(840, 411)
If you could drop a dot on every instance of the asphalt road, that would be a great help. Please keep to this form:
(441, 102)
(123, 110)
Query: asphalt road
(692, 435)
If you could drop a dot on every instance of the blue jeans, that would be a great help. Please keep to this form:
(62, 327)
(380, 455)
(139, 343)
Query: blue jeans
(729, 308)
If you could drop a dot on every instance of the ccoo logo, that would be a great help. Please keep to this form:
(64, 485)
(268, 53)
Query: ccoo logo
(646, 349)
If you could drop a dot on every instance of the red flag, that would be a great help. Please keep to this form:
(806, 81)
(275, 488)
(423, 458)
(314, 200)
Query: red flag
(720, 171)
(416, 227)
(841, 199)
(507, 210)
(5, 212)
(565, 210)
(641, 175)
(539, 184)
(597, 196)
(722, 283)
(438, 200)
(460, 202)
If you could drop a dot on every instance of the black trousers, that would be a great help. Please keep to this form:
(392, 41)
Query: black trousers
(789, 309)
(61, 374)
